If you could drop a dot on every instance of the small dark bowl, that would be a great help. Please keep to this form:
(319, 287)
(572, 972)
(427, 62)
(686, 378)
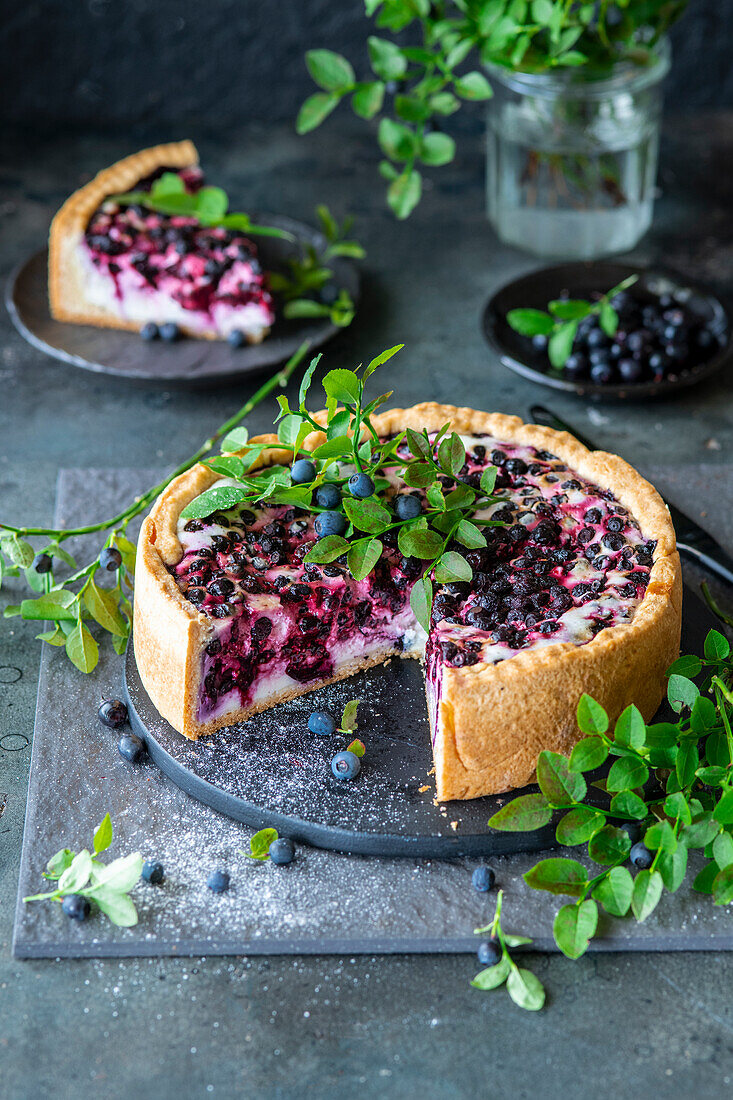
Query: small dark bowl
(583, 280)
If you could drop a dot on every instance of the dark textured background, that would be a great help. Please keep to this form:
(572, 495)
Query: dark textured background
(154, 65)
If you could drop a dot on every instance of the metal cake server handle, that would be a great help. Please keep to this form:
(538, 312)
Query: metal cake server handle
(692, 541)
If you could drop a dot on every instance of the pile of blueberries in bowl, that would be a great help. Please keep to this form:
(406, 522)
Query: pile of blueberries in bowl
(658, 338)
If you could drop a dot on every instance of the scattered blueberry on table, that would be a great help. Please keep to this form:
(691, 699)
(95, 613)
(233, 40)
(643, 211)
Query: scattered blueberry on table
(153, 871)
(489, 952)
(282, 851)
(321, 723)
(170, 332)
(76, 907)
(346, 765)
(150, 331)
(218, 882)
(236, 338)
(483, 879)
(113, 713)
(131, 747)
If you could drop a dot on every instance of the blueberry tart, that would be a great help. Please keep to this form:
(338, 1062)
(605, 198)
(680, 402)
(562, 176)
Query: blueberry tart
(579, 590)
(129, 267)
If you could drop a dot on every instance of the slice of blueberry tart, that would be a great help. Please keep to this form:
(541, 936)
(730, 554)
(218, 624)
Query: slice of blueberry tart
(578, 589)
(126, 266)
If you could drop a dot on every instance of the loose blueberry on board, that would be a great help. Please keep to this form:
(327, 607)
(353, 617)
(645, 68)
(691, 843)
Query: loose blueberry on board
(329, 523)
(42, 563)
(150, 331)
(282, 851)
(328, 496)
(361, 486)
(113, 713)
(346, 765)
(76, 907)
(483, 879)
(302, 471)
(110, 559)
(131, 747)
(218, 882)
(321, 723)
(407, 506)
(236, 338)
(153, 871)
(489, 952)
(641, 857)
(170, 332)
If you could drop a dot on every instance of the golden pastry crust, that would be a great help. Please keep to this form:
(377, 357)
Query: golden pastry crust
(67, 297)
(493, 719)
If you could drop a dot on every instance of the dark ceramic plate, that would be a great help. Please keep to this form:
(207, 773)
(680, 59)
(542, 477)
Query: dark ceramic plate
(272, 772)
(582, 280)
(125, 355)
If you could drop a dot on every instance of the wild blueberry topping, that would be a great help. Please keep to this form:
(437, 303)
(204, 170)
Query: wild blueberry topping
(361, 486)
(407, 506)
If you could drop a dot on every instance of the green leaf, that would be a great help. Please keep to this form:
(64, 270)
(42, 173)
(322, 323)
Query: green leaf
(452, 454)
(215, 500)
(681, 692)
(717, 646)
(76, 875)
(363, 557)
(452, 566)
(469, 535)
(20, 552)
(578, 825)
(723, 886)
(304, 308)
(628, 804)
(723, 812)
(367, 515)
(357, 747)
(367, 101)
(626, 774)
(677, 807)
(235, 440)
(315, 110)
(81, 648)
(488, 480)
(647, 892)
(103, 835)
(259, 845)
(337, 447)
(614, 891)
(57, 864)
(396, 139)
(121, 874)
(327, 550)
(703, 715)
(630, 728)
(418, 475)
(702, 830)
(672, 866)
(342, 385)
(522, 815)
(57, 606)
(387, 60)
(416, 542)
(557, 782)
(588, 754)
(117, 906)
(561, 343)
(592, 718)
(444, 103)
(525, 989)
(419, 446)
(723, 850)
(380, 360)
(404, 193)
(512, 940)
(421, 600)
(530, 322)
(102, 606)
(473, 86)
(569, 309)
(348, 718)
(661, 835)
(608, 318)
(558, 876)
(226, 465)
(609, 845)
(687, 666)
(704, 879)
(55, 637)
(437, 149)
(687, 762)
(574, 927)
(329, 70)
(493, 976)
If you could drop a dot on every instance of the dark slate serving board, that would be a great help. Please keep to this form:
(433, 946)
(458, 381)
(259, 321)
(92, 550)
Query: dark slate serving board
(186, 362)
(324, 902)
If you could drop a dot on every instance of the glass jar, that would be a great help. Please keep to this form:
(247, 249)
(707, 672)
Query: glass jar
(572, 161)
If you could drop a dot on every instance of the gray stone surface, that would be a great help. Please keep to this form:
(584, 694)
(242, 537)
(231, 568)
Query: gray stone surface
(343, 1026)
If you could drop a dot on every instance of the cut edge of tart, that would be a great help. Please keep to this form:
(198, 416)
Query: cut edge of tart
(489, 721)
(81, 293)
